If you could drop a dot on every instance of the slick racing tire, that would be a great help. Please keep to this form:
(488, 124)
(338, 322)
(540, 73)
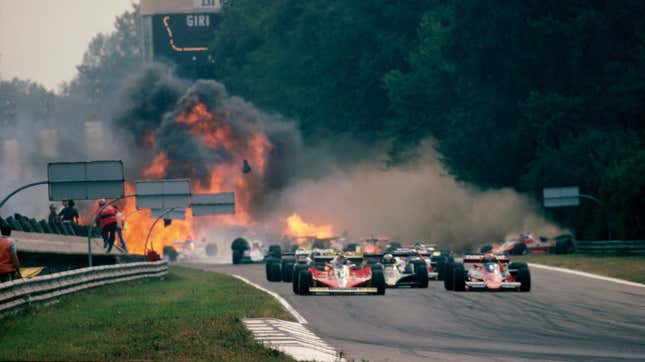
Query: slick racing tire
(378, 280)
(287, 271)
(519, 249)
(238, 246)
(518, 266)
(421, 274)
(524, 277)
(447, 276)
(273, 270)
(237, 256)
(440, 267)
(304, 282)
(296, 276)
(275, 251)
(564, 247)
(458, 278)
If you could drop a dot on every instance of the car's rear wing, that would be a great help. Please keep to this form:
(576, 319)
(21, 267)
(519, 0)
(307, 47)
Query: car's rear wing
(403, 252)
(328, 258)
(477, 258)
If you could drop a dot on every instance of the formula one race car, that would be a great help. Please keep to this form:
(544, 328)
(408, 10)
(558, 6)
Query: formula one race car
(189, 249)
(527, 243)
(244, 253)
(488, 271)
(339, 274)
(404, 267)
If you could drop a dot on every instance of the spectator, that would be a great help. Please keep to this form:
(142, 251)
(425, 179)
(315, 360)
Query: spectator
(107, 223)
(54, 218)
(120, 225)
(69, 213)
(9, 264)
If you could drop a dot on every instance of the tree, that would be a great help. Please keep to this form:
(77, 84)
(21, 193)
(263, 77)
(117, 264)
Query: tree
(109, 59)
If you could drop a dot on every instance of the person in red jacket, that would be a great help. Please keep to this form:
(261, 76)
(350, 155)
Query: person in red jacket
(9, 264)
(107, 223)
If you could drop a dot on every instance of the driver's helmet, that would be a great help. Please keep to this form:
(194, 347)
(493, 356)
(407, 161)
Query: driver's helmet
(489, 259)
(489, 263)
(388, 258)
(340, 259)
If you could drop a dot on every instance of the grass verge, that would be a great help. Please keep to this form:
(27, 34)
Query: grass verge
(622, 267)
(192, 315)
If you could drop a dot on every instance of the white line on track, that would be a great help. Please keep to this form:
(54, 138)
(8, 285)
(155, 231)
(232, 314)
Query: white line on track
(282, 301)
(588, 275)
(301, 346)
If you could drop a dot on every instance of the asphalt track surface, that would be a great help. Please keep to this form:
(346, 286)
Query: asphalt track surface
(564, 317)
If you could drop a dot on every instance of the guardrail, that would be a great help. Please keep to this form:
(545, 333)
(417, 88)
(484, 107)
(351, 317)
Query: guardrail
(616, 247)
(42, 288)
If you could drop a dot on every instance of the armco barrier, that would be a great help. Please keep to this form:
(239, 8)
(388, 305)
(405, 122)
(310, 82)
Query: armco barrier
(612, 247)
(42, 288)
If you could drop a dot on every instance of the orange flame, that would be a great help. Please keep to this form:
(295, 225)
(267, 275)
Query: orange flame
(213, 131)
(158, 167)
(138, 223)
(296, 227)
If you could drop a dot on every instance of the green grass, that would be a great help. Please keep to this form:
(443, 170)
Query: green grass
(624, 267)
(192, 315)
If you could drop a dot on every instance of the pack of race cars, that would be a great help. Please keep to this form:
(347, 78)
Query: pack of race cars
(332, 271)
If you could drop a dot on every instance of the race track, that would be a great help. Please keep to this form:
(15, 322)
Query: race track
(564, 317)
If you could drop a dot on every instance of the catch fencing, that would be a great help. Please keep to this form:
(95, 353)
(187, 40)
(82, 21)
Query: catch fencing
(612, 247)
(24, 292)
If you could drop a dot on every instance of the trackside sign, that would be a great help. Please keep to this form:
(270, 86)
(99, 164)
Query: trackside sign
(561, 196)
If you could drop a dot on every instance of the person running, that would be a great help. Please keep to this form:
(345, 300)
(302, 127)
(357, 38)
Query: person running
(107, 223)
(120, 225)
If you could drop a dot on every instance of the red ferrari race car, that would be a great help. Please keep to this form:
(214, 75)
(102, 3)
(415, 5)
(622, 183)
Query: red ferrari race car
(339, 274)
(527, 243)
(488, 271)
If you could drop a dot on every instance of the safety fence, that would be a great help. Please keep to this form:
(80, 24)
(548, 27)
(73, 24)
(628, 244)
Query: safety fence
(24, 292)
(612, 247)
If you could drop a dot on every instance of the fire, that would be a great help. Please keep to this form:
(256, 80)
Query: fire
(296, 227)
(213, 131)
(158, 167)
(138, 223)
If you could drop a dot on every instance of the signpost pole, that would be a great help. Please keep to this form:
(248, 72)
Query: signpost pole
(20, 189)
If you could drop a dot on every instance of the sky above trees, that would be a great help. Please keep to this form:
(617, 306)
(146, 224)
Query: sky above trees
(44, 40)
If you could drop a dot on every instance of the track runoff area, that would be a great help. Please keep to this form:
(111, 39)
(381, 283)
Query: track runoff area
(567, 316)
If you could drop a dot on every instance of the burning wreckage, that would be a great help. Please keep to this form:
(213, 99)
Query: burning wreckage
(220, 142)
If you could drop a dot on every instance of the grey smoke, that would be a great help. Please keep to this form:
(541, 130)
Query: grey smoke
(419, 202)
(155, 99)
(341, 182)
